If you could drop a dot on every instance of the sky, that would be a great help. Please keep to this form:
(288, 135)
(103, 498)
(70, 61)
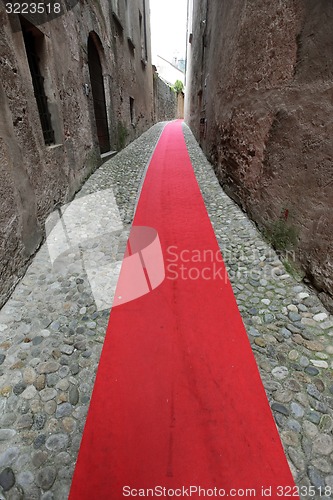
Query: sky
(168, 28)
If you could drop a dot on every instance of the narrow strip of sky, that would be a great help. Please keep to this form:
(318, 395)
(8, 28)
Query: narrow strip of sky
(168, 28)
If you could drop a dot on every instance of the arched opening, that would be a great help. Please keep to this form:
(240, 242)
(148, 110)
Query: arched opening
(98, 93)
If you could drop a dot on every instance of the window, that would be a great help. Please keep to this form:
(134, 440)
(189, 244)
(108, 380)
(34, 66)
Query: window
(129, 25)
(98, 93)
(131, 100)
(115, 7)
(116, 13)
(143, 33)
(33, 41)
(200, 99)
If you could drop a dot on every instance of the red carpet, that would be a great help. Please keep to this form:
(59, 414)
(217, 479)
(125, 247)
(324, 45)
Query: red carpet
(178, 400)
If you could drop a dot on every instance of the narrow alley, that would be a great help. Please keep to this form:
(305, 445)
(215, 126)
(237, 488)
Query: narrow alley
(53, 328)
(166, 257)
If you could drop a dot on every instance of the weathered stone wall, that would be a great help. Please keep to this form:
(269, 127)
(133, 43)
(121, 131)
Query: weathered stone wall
(165, 100)
(35, 177)
(260, 102)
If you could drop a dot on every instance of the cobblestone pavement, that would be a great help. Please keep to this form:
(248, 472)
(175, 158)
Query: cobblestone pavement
(52, 330)
(291, 335)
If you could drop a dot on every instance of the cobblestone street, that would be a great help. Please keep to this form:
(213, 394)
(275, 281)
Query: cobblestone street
(52, 331)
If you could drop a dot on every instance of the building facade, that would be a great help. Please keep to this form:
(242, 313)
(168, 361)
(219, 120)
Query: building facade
(72, 88)
(169, 71)
(168, 104)
(259, 101)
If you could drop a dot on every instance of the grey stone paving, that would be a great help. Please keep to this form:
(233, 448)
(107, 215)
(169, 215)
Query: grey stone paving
(290, 331)
(53, 327)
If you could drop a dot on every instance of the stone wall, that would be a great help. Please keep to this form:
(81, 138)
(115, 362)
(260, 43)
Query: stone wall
(35, 177)
(165, 100)
(260, 102)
